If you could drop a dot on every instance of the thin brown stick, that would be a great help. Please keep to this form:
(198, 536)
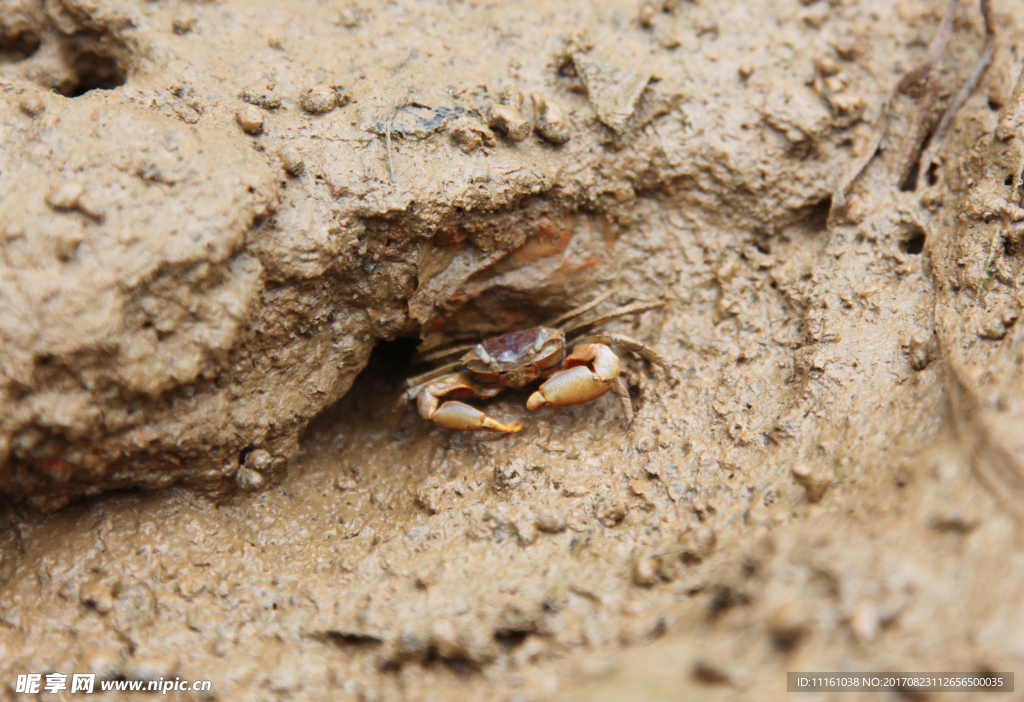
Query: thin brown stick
(438, 354)
(387, 138)
(956, 105)
(846, 181)
(965, 92)
(913, 84)
(577, 311)
(613, 314)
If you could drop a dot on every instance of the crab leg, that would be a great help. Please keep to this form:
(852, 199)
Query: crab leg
(458, 415)
(642, 350)
(613, 314)
(590, 371)
(622, 390)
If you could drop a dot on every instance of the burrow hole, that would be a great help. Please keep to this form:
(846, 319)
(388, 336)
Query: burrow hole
(817, 215)
(913, 242)
(18, 47)
(93, 67)
(1013, 247)
(90, 60)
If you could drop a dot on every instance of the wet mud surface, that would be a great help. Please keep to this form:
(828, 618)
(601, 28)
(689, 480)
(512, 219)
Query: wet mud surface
(829, 477)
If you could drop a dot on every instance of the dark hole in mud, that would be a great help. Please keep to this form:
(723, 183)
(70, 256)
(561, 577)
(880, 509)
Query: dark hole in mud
(909, 183)
(786, 641)
(933, 174)
(994, 105)
(724, 598)
(511, 639)
(93, 71)
(19, 47)
(344, 638)
(817, 215)
(914, 244)
(1011, 247)
(394, 358)
(245, 453)
(1008, 180)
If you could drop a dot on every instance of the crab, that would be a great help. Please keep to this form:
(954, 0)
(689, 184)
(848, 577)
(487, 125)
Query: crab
(519, 358)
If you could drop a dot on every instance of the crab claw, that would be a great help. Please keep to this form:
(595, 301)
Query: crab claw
(571, 387)
(590, 372)
(460, 416)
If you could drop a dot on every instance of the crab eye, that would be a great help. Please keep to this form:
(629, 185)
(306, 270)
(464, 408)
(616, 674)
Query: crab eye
(481, 352)
(542, 337)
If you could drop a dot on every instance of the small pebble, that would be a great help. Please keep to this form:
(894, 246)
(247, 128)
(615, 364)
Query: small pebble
(550, 520)
(552, 123)
(645, 570)
(788, 624)
(191, 585)
(250, 120)
(267, 99)
(31, 105)
(510, 121)
(921, 348)
(66, 244)
(511, 96)
(91, 208)
(292, 161)
(815, 485)
(992, 328)
(526, 529)
(669, 42)
(846, 48)
(863, 623)
(249, 480)
(66, 196)
(97, 595)
(827, 65)
(470, 135)
(746, 70)
(259, 460)
(611, 512)
(14, 231)
(183, 25)
(707, 26)
(152, 667)
(443, 635)
(321, 99)
(648, 11)
(343, 483)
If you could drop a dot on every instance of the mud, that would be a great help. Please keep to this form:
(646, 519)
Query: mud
(224, 221)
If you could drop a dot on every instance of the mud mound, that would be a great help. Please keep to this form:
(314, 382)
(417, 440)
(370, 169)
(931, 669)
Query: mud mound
(234, 221)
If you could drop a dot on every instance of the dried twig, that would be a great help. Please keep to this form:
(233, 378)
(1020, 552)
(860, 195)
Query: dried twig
(914, 84)
(387, 140)
(965, 91)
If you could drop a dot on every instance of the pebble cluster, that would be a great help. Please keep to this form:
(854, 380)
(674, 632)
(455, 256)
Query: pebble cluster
(551, 121)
